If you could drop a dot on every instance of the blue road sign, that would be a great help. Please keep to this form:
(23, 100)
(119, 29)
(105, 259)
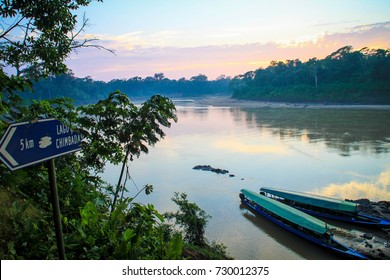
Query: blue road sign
(28, 143)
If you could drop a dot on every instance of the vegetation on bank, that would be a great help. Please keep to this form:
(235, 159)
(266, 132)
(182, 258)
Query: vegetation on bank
(98, 221)
(345, 76)
(87, 90)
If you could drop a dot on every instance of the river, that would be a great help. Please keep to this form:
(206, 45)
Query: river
(342, 153)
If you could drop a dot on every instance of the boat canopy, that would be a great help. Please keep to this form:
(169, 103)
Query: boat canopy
(315, 200)
(287, 212)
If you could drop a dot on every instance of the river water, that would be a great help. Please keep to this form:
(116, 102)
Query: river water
(342, 153)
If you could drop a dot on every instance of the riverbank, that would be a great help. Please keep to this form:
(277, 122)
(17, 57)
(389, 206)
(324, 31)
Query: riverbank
(227, 101)
(374, 243)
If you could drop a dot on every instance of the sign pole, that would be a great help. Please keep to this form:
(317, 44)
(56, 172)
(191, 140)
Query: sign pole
(56, 209)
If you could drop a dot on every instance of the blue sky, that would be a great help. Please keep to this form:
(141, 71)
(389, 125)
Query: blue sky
(214, 37)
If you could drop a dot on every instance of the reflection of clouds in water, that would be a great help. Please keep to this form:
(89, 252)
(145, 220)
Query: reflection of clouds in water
(237, 146)
(384, 179)
(376, 191)
(305, 136)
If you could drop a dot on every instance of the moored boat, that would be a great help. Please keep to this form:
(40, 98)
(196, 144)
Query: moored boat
(326, 207)
(297, 222)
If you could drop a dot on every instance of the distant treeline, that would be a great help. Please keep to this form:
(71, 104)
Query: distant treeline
(345, 76)
(86, 90)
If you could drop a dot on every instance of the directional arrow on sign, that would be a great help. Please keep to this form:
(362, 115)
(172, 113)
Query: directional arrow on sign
(4, 152)
(27, 143)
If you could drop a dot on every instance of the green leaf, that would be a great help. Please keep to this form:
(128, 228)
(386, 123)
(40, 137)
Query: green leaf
(89, 214)
(176, 246)
(11, 248)
(91, 240)
(148, 189)
(129, 234)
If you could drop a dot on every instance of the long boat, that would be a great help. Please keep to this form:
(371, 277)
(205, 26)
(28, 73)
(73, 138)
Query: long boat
(297, 222)
(326, 207)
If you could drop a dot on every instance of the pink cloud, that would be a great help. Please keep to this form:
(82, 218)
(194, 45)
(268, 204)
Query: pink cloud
(231, 60)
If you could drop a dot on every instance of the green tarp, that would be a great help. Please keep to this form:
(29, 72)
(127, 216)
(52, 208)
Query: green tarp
(291, 214)
(315, 200)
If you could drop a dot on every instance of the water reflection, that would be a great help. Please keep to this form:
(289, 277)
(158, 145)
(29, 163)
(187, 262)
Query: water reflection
(339, 153)
(238, 145)
(377, 190)
(346, 131)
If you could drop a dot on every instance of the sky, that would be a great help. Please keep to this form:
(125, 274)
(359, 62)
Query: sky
(184, 38)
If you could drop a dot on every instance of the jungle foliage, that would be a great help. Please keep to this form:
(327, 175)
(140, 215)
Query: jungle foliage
(86, 90)
(345, 76)
(99, 222)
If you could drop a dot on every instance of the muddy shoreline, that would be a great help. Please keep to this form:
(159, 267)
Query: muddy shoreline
(374, 243)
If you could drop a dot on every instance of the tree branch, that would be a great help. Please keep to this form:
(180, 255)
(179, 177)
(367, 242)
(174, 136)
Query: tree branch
(16, 24)
(85, 43)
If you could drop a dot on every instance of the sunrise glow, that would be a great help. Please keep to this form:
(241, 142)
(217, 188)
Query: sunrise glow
(231, 37)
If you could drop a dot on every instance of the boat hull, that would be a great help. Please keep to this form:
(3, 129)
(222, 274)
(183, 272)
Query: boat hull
(371, 221)
(326, 207)
(348, 252)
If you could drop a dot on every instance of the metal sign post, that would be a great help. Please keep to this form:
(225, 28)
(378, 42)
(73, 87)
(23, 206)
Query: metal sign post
(27, 143)
(56, 209)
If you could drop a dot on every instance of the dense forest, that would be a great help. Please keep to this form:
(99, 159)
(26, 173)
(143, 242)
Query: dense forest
(345, 76)
(97, 220)
(86, 90)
